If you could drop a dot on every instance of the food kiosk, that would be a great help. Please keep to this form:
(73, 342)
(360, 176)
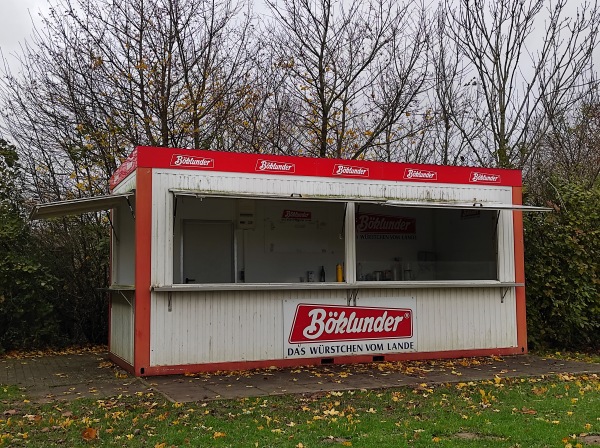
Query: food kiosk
(225, 260)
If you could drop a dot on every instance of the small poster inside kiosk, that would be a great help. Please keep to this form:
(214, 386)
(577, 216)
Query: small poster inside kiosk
(329, 330)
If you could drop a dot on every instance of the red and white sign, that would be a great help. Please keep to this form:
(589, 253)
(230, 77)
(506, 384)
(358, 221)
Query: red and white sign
(274, 166)
(325, 323)
(418, 174)
(484, 178)
(296, 215)
(186, 161)
(370, 223)
(347, 170)
(232, 162)
(124, 170)
(326, 330)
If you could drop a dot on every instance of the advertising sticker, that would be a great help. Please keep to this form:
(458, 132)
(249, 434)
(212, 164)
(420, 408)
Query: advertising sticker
(317, 330)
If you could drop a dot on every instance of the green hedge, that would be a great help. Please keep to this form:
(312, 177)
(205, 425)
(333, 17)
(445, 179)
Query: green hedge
(562, 268)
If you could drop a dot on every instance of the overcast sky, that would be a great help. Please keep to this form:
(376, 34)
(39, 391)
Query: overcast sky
(15, 22)
(16, 18)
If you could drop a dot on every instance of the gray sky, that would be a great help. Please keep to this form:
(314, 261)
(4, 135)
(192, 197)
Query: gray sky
(15, 22)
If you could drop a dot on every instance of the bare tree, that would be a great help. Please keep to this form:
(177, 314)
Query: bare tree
(102, 75)
(330, 57)
(516, 71)
(452, 124)
(570, 151)
(395, 114)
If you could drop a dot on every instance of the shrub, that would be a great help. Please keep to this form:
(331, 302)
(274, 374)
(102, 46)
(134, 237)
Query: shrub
(562, 267)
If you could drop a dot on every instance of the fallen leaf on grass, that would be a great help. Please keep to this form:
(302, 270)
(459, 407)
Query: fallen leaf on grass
(218, 434)
(89, 434)
(33, 417)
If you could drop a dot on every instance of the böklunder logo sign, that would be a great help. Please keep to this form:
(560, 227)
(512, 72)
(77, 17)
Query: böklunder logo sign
(484, 178)
(296, 215)
(346, 170)
(326, 323)
(415, 174)
(275, 167)
(372, 223)
(192, 161)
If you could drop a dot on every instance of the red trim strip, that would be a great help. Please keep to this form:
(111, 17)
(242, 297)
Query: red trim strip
(143, 244)
(121, 363)
(247, 365)
(520, 270)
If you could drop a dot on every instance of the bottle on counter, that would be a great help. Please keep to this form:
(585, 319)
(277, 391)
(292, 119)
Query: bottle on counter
(322, 274)
(339, 273)
(397, 269)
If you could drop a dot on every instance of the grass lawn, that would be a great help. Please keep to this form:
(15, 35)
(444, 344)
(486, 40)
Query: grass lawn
(559, 411)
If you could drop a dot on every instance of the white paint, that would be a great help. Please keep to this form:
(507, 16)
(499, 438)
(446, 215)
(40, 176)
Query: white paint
(121, 325)
(230, 326)
(247, 324)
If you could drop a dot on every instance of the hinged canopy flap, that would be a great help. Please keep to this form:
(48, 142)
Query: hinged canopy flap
(468, 205)
(78, 206)
(292, 197)
(393, 203)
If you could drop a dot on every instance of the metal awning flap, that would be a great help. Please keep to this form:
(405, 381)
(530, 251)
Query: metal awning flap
(201, 194)
(78, 206)
(394, 203)
(468, 205)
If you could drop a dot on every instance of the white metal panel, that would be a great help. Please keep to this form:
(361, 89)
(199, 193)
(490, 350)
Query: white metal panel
(223, 326)
(123, 248)
(506, 247)
(467, 205)
(79, 206)
(281, 185)
(229, 326)
(458, 319)
(162, 234)
(121, 325)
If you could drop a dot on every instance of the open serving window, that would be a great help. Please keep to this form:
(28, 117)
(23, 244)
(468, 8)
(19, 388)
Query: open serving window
(221, 239)
(423, 243)
(257, 240)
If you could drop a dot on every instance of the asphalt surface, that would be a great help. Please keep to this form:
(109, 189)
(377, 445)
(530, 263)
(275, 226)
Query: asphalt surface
(89, 374)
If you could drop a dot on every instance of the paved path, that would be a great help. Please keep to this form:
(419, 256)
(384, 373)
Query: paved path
(64, 377)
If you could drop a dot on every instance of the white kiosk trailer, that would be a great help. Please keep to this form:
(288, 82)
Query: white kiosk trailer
(237, 261)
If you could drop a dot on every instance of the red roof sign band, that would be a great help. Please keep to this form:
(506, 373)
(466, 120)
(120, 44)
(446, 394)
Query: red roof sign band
(152, 157)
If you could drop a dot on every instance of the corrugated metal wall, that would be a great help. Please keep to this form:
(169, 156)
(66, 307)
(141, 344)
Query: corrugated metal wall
(121, 325)
(227, 326)
(222, 326)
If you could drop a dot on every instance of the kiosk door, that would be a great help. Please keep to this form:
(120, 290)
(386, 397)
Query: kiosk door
(207, 252)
